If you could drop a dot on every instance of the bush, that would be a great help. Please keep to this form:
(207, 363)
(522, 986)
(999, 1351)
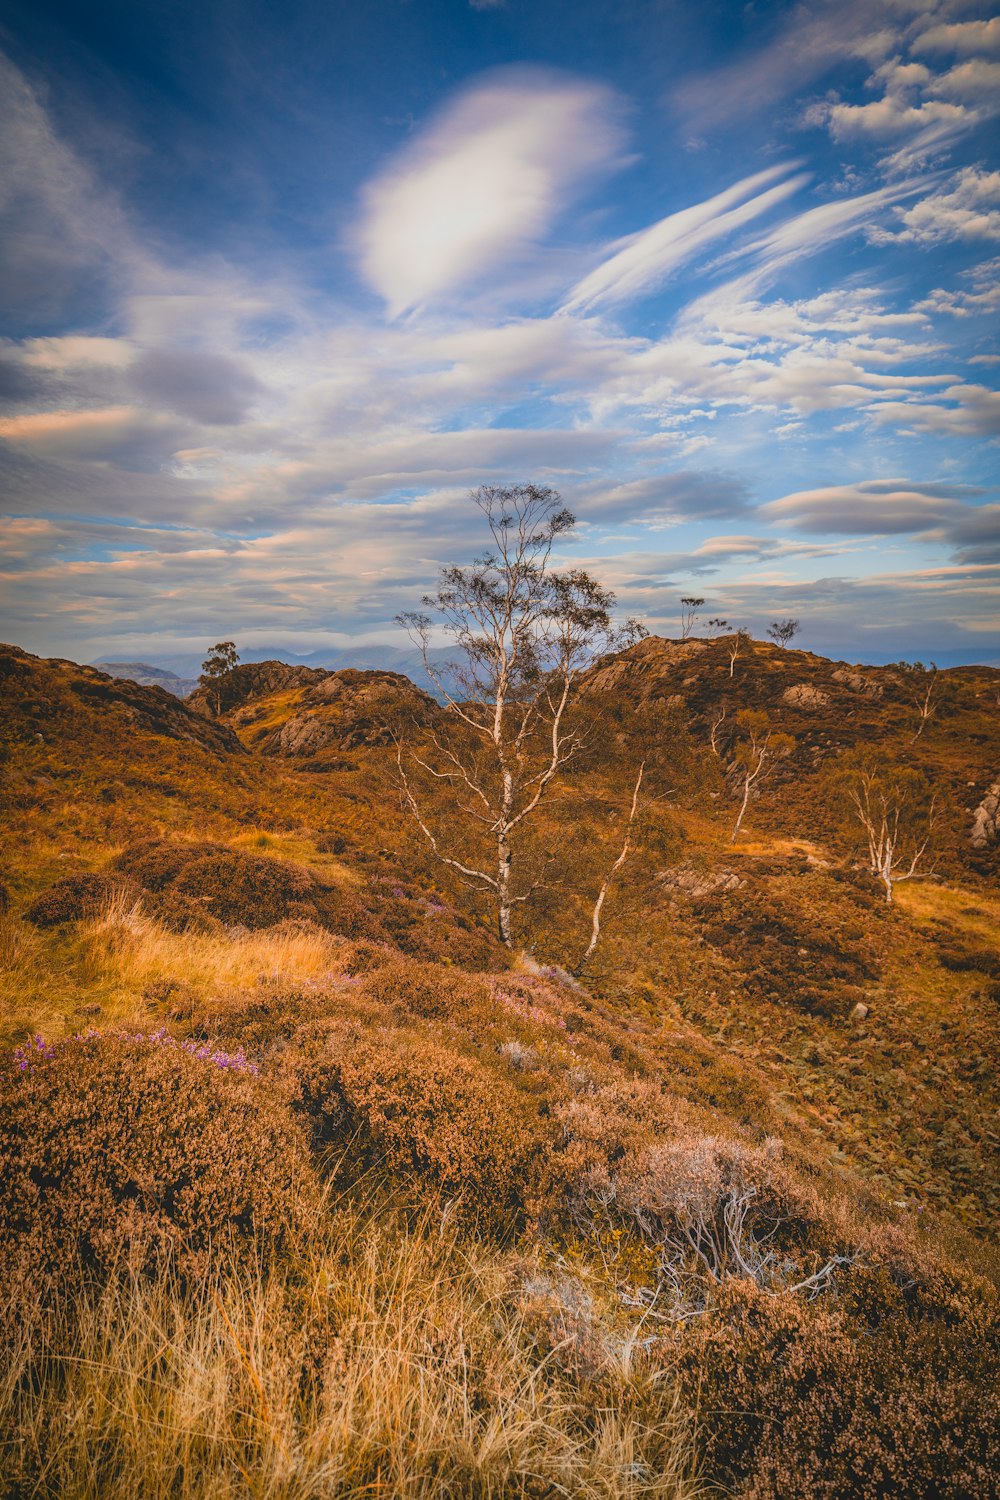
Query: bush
(431, 991)
(799, 1402)
(121, 1145)
(248, 890)
(74, 897)
(156, 863)
(424, 1113)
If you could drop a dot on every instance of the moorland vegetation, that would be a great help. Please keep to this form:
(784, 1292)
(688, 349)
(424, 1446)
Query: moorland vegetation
(318, 1182)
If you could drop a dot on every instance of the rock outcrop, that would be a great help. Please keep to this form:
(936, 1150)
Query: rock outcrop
(347, 710)
(986, 820)
(251, 681)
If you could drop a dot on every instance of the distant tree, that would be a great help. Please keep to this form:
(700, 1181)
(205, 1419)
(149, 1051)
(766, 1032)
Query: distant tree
(689, 611)
(782, 631)
(524, 634)
(741, 641)
(755, 757)
(921, 685)
(896, 811)
(717, 625)
(219, 662)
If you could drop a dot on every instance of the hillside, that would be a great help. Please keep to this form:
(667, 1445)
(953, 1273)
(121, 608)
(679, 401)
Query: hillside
(717, 1210)
(149, 676)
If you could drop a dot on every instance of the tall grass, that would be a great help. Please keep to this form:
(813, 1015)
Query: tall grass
(111, 960)
(124, 947)
(396, 1365)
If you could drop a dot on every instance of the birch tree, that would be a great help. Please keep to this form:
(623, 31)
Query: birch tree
(742, 640)
(897, 814)
(754, 758)
(523, 635)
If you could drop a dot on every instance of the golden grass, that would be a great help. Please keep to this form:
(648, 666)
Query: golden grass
(396, 1365)
(123, 948)
(48, 980)
(973, 910)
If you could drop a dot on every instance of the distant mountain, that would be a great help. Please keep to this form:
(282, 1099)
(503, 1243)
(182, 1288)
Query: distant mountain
(147, 675)
(375, 657)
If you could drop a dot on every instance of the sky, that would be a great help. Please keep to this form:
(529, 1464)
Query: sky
(281, 285)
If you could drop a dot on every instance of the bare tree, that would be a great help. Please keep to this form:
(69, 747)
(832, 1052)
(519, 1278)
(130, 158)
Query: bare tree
(741, 641)
(921, 683)
(717, 625)
(755, 757)
(689, 611)
(782, 631)
(897, 814)
(523, 633)
(715, 726)
(626, 849)
(216, 667)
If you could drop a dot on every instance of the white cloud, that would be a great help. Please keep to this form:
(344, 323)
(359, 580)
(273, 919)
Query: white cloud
(485, 181)
(975, 413)
(974, 82)
(646, 259)
(968, 210)
(814, 231)
(883, 507)
(961, 38)
(982, 295)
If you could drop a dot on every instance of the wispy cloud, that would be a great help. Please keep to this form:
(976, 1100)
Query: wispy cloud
(645, 260)
(960, 37)
(484, 182)
(878, 507)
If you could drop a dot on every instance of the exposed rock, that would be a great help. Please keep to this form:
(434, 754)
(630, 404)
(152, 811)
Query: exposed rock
(860, 1011)
(986, 820)
(253, 680)
(859, 682)
(45, 693)
(804, 695)
(349, 709)
(689, 881)
(650, 657)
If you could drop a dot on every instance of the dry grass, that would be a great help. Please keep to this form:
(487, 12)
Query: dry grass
(974, 911)
(398, 1365)
(107, 964)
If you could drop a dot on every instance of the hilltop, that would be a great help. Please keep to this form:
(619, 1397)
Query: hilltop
(727, 1195)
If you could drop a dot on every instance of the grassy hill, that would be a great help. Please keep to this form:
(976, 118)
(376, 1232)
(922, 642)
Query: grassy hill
(317, 1189)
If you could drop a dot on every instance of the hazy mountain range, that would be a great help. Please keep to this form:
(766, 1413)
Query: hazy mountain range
(178, 671)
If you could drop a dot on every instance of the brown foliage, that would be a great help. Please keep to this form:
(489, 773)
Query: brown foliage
(800, 1402)
(125, 1147)
(156, 863)
(73, 897)
(797, 941)
(424, 1113)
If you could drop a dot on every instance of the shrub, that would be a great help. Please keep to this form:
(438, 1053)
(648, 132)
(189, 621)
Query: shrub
(247, 890)
(798, 1402)
(121, 1145)
(430, 991)
(72, 898)
(156, 863)
(423, 1113)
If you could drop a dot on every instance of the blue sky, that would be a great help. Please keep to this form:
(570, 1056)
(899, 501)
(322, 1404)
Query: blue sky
(280, 286)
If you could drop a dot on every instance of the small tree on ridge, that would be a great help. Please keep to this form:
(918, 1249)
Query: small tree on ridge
(219, 662)
(523, 634)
